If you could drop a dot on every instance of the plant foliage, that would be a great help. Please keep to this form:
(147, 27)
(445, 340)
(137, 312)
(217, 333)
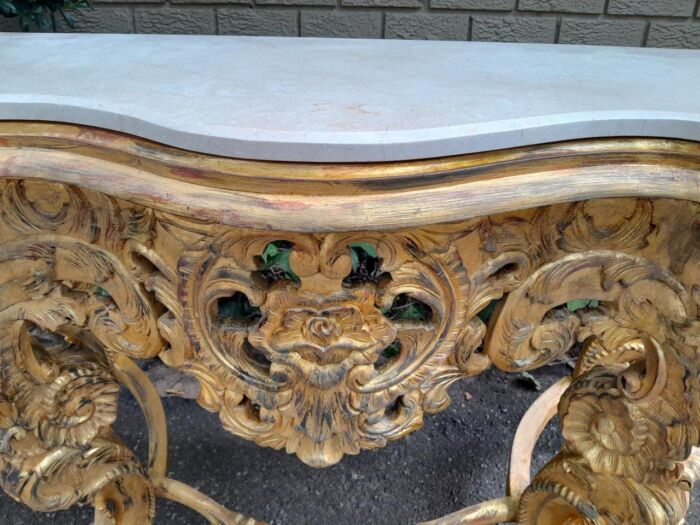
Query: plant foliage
(41, 15)
(275, 261)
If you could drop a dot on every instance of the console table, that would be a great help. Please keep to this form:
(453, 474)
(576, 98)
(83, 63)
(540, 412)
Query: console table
(314, 230)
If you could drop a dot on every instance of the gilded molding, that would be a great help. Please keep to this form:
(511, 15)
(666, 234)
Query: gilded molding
(317, 358)
(383, 196)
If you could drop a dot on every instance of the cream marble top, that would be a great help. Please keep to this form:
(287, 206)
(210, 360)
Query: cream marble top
(331, 100)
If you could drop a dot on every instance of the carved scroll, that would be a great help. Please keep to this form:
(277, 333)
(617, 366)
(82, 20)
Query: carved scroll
(630, 417)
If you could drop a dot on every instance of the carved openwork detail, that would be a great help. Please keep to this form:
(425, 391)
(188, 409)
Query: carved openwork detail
(312, 351)
(325, 368)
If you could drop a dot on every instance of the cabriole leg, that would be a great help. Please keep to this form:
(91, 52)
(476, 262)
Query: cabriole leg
(630, 417)
(74, 311)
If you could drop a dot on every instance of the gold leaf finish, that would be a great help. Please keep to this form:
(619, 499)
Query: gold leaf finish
(344, 339)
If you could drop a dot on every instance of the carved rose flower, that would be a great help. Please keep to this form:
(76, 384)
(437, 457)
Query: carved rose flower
(614, 438)
(326, 334)
(74, 408)
(323, 340)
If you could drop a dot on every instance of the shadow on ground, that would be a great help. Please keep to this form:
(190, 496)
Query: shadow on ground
(458, 459)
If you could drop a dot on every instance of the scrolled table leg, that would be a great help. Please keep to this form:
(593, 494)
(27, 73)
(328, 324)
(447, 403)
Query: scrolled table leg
(630, 417)
(58, 446)
(74, 312)
(620, 278)
(627, 427)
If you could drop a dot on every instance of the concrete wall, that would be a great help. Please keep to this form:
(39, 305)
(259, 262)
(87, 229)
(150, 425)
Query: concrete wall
(653, 23)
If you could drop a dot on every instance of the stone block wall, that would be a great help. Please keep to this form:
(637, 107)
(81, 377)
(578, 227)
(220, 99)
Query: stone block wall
(653, 23)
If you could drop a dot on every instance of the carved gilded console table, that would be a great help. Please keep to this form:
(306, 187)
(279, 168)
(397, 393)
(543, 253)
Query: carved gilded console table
(311, 228)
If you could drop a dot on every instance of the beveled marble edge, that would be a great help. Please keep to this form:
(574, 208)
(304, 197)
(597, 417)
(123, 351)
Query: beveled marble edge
(329, 100)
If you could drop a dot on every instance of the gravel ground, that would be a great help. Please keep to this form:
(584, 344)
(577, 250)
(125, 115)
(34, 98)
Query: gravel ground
(458, 459)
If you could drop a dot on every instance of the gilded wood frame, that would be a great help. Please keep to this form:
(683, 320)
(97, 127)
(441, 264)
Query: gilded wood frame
(114, 248)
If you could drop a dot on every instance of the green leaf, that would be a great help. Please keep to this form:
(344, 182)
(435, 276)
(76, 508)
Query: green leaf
(40, 14)
(577, 304)
(271, 250)
(355, 258)
(281, 260)
(7, 8)
(276, 256)
(358, 250)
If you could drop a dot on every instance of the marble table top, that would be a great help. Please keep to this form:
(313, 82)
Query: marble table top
(333, 100)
